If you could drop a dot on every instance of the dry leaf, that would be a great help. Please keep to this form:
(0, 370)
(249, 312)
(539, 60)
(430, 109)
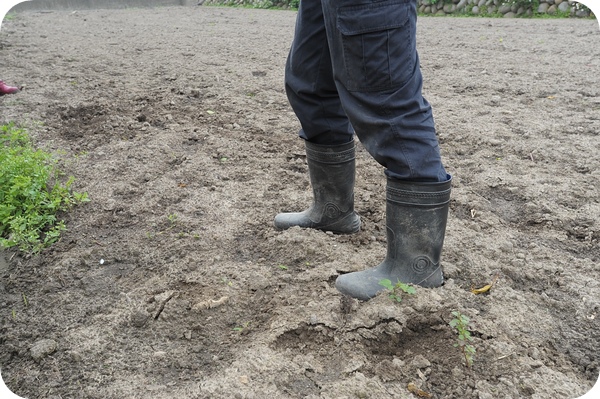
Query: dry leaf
(412, 387)
(485, 288)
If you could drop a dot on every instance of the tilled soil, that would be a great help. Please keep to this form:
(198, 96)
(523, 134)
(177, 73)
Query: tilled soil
(172, 281)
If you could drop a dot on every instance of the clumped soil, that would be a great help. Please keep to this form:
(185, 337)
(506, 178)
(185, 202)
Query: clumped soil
(172, 281)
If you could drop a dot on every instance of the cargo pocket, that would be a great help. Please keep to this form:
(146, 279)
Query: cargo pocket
(378, 44)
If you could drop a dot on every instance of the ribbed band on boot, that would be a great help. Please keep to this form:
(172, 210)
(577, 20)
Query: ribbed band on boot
(330, 154)
(418, 193)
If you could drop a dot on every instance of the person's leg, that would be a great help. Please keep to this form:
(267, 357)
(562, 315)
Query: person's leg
(309, 83)
(328, 137)
(376, 69)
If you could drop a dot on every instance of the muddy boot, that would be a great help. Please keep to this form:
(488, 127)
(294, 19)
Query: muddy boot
(6, 89)
(331, 172)
(416, 215)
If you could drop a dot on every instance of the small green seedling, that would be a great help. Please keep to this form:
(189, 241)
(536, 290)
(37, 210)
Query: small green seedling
(172, 218)
(460, 323)
(394, 290)
(226, 281)
(283, 267)
(242, 327)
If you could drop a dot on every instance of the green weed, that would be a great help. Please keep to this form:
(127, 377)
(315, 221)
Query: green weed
(460, 323)
(395, 290)
(31, 193)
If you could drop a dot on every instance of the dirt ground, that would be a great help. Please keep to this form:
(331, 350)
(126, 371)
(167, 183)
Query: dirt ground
(172, 282)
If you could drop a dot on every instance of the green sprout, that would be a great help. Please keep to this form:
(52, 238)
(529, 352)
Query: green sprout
(460, 323)
(242, 327)
(172, 218)
(395, 290)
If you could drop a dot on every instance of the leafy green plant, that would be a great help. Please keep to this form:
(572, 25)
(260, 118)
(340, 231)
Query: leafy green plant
(31, 193)
(460, 323)
(395, 290)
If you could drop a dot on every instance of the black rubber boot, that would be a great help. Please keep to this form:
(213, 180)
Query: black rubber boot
(332, 174)
(416, 215)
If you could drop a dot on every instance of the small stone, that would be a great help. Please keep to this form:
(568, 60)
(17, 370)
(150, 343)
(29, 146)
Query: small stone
(75, 356)
(534, 353)
(537, 364)
(484, 395)
(43, 348)
(139, 318)
(420, 362)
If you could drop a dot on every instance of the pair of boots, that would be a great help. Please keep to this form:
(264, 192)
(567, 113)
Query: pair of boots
(6, 89)
(416, 215)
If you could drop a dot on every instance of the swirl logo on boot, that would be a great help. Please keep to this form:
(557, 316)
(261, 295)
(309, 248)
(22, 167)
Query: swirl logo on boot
(331, 211)
(421, 264)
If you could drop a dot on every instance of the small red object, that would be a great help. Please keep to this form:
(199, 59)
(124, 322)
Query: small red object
(6, 89)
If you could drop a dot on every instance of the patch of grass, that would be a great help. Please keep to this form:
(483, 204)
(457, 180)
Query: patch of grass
(31, 193)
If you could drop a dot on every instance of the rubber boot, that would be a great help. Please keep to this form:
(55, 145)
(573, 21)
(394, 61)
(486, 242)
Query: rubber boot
(416, 215)
(332, 173)
(6, 89)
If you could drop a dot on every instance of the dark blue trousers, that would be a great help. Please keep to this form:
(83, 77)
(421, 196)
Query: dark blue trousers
(353, 68)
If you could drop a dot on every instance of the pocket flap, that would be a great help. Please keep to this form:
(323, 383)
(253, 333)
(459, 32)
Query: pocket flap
(365, 18)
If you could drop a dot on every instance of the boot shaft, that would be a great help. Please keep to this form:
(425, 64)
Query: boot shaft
(416, 217)
(332, 173)
(332, 176)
